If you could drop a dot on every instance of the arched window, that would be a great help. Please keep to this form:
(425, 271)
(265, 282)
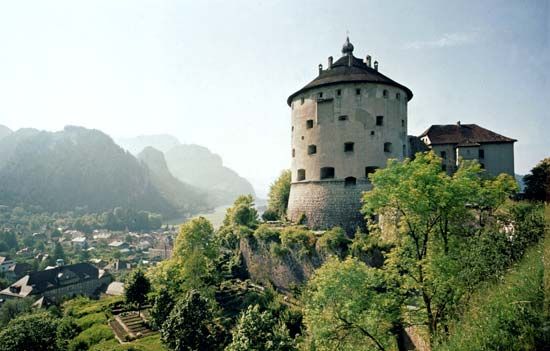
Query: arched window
(350, 181)
(385, 94)
(301, 174)
(369, 170)
(327, 172)
(311, 149)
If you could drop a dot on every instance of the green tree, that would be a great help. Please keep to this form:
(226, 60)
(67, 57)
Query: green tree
(67, 330)
(427, 214)
(279, 193)
(136, 288)
(189, 326)
(10, 309)
(537, 183)
(192, 265)
(260, 331)
(350, 306)
(242, 213)
(162, 306)
(58, 252)
(36, 332)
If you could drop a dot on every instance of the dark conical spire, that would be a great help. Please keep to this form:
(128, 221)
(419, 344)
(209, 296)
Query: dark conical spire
(347, 49)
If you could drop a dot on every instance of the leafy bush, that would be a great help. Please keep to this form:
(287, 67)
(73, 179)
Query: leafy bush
(270, 215)
(266, 233)
(334, 241)
(35, 332)
(95, 334)
(292, 236)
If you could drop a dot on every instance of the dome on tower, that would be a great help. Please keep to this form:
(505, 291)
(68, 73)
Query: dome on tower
(347, 48)
(349, 69)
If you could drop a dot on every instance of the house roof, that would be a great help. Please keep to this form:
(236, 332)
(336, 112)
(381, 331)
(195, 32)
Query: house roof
(344, 72)
(38, 282)
(463, 135)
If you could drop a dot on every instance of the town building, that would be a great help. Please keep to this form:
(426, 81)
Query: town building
(455, 142)
(6, 263)
(345, 124)
(54, 285)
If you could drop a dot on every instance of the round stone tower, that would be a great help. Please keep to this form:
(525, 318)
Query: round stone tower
(346, 123)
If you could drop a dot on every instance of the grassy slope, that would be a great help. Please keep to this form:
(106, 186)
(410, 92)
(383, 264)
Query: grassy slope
(92, 317)
(510, 314)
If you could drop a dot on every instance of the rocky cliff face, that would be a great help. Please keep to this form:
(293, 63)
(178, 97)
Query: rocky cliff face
(284, 270)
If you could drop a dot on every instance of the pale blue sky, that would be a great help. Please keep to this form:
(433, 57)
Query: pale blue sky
(218, 73)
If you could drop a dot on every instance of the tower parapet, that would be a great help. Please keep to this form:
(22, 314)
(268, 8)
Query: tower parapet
(346, 123)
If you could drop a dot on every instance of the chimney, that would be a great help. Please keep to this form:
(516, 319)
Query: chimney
(329, 62)
(368, 60)
(320, 68)
(376, 65)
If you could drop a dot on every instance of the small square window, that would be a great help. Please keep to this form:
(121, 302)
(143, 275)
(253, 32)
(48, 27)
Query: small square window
(357, 91)
(343, 118)
(309, 124)
(311, 149)
(443, 154)
(444, 167)
(398, 96)
(293, 152)
(292, 128)
(385, 94)
(387, 147)
(302, 101)
(481, 153)
(348, 147)
(301, 174)
(402, 123)
(379, 120)
(320, 95)
(372, 132)
(338, 92)
(327, 172)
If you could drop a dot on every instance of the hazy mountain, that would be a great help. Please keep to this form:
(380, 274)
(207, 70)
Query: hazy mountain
(187, 198)
(162, 142)
(4, 131)
(76, 167)
(196, 165)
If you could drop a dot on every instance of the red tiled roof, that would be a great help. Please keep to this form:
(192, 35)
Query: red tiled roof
(463, 134)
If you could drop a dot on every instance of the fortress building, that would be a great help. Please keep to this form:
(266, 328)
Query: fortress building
(345, 124)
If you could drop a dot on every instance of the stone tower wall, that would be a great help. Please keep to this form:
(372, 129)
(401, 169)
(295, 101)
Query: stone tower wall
(327, 204)
(328, 118)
